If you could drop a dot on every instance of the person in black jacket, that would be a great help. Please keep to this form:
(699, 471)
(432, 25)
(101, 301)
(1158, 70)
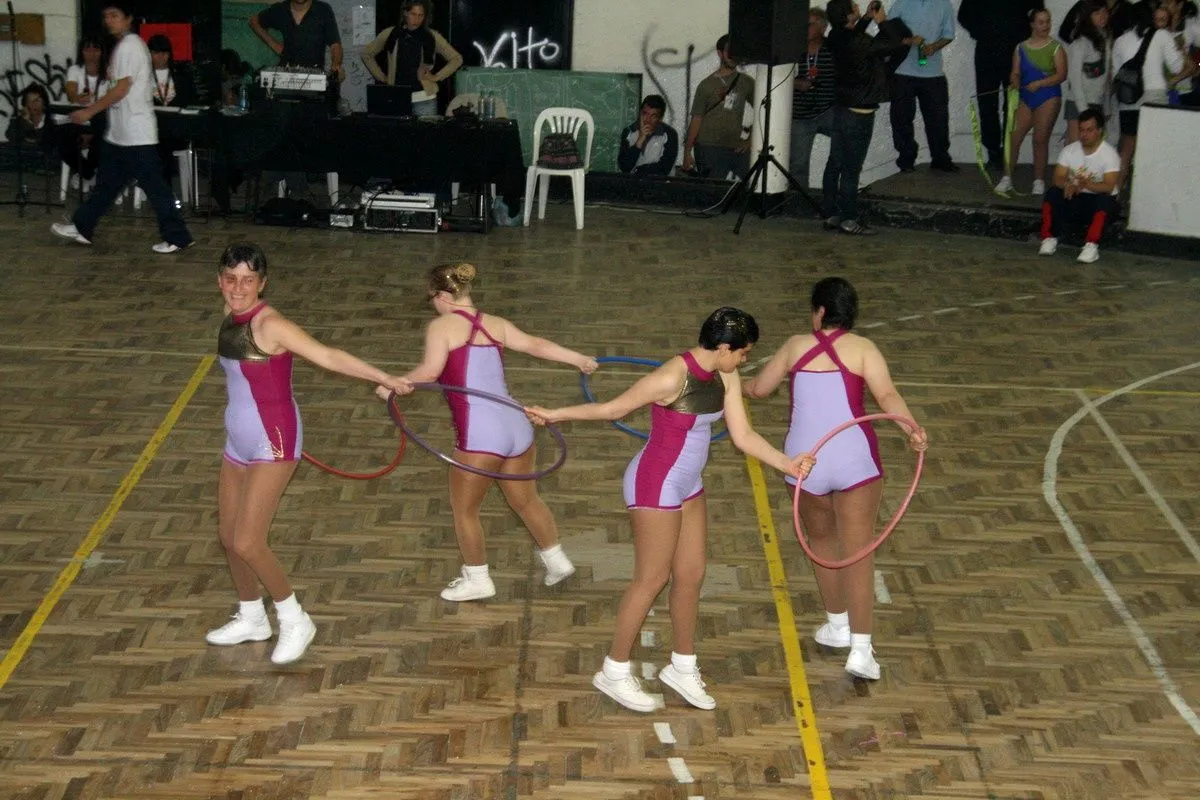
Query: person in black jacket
(860, 66)
(997, 29)
(649, 146)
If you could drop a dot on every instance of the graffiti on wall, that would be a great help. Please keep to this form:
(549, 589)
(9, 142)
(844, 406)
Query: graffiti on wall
(671, 72)
(41, 69)
(508, 50)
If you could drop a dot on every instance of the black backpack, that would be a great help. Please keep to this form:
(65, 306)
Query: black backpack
(1127, 83)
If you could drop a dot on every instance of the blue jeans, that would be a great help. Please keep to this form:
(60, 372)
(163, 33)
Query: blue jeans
(120, 165)
(847, 152)
(804, 131)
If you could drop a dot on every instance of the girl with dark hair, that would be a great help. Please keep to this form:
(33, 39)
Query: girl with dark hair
(264, 436)
(1039, 67)
(665, 494)
(33, 123)
(828, 370)
(465, 348)
(410, 46)
(1089, 56)
(86, 79)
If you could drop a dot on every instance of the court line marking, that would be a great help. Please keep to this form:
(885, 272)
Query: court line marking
(1160, 502)
(806, 720)
(1050, 494)
(71, 571)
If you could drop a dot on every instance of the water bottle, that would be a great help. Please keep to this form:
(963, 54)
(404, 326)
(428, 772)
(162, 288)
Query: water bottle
(243, 98)
(489, 106)
(921, 58)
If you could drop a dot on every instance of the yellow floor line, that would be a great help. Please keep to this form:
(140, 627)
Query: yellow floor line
(65, 578)
(806, 721)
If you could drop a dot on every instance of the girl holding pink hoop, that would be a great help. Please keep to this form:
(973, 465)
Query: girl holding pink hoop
(665, 494)
(465, 348)
(829, 371)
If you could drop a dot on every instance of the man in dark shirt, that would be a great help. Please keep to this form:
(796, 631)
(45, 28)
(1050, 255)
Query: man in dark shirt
(308, 27)
(860, 85)
(812, 98)
(649, 146)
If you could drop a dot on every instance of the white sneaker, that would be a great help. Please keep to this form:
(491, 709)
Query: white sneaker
(67, 230)
(627, 691)
(240, 629)
(1004, 185)
(1039, 188)
(1049, 246)
(294, 639)
(862, 664)
(167, 247)
(1090, 253)
(558, 569)
(832, 636)
(466, 588)
(689, 686)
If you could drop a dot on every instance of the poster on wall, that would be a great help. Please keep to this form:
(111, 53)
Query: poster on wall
(513, 34)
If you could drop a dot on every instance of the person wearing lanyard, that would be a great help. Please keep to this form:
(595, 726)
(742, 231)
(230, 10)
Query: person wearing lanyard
(85, 84)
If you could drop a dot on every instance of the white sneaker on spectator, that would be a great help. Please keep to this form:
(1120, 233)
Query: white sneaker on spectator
(67, 230)
(627, 691)
(689, 686)
(167, 247)
(1039, 188)
(558, 569)
(1090, 253)
(862, 663)
(1049, 246)
(294, 639)
(465, 588)
(240, 628)
(1004, 185)
(831, 635)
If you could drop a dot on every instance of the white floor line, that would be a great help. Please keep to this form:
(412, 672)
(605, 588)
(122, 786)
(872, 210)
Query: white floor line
(1160, 502)
(882, 595)
(1050, 493)
(983, 304)
(909, 318)
(950, 310)
(680, 771)
(663, 731)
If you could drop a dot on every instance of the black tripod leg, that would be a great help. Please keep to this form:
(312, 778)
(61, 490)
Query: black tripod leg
(795, 184)
(756, 171)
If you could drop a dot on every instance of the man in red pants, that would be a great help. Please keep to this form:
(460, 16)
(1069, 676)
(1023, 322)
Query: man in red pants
(1085, 181)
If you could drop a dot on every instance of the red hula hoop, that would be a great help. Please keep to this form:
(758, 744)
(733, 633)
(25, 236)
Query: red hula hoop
(398, 418)
(905, 423)
(365, 476)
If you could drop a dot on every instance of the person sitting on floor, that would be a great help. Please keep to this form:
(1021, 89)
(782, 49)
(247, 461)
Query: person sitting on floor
(1085, 182)
(649, 146)
(33, 125)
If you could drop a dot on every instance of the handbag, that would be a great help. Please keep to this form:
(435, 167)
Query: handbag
(1127, 83)
(559, 151)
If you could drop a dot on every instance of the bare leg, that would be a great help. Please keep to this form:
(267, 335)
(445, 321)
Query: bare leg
(1043, 128)
(229, 495)
(1128, 146)
(261, 487)
(467, 491)
(1023, 121)
(687, 575)
(655, 534)
(524, 500)
(820, 524)
(856, 512)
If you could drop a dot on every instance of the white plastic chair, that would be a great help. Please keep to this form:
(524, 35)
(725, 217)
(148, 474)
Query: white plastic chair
(64, 183)
(559, 120)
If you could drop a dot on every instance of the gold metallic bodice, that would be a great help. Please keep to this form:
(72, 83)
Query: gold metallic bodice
(236, 341)
(700, 396)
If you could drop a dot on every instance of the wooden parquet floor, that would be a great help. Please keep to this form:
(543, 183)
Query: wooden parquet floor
(1010, 670)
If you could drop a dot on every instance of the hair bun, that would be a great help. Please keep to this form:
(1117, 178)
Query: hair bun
(464, 273)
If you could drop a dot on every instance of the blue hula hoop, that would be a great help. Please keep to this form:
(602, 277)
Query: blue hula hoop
(638, 362)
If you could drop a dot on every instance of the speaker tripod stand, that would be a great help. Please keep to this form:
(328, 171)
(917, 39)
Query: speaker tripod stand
(758, 170)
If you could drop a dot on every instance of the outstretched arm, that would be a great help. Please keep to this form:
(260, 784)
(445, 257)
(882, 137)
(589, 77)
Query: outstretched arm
(659, 386)
(518, 340)
(277, 331)
(748, 440)
(437, 350)
(773, 373)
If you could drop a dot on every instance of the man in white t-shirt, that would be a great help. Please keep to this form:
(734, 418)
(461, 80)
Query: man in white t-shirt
(1085, 182)
(131, 143)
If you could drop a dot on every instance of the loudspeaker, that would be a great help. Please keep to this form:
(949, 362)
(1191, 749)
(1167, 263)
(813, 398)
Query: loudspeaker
(768, 31)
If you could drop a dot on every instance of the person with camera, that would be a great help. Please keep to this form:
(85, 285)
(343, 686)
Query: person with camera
(860, 64)
(717, 142)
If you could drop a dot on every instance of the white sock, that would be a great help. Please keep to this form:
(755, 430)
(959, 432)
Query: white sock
(475, 573)
(252, 609)
(551, 553)
(289, 609)
(860, 641)
(616, 670)
(841, 620)
(685, 664)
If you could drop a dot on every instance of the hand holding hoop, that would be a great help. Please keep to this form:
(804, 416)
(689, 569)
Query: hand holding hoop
(919, 442)
(640, 362)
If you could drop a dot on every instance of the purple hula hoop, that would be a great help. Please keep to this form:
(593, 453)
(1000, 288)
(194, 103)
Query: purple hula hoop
(398, 418)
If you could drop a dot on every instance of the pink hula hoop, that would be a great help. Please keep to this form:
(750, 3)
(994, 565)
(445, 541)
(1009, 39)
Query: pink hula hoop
(905, 423)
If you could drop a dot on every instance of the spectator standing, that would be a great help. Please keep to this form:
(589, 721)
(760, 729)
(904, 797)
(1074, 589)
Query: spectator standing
(1089, 62)
(812, 97)
(920, 79)
(717, 141)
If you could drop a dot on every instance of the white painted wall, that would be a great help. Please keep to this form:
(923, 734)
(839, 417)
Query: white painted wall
(1162, 203)
(43, 64)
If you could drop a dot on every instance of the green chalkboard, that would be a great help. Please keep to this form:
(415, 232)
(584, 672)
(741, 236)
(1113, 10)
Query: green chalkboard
(236, 34)
(611, 97)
